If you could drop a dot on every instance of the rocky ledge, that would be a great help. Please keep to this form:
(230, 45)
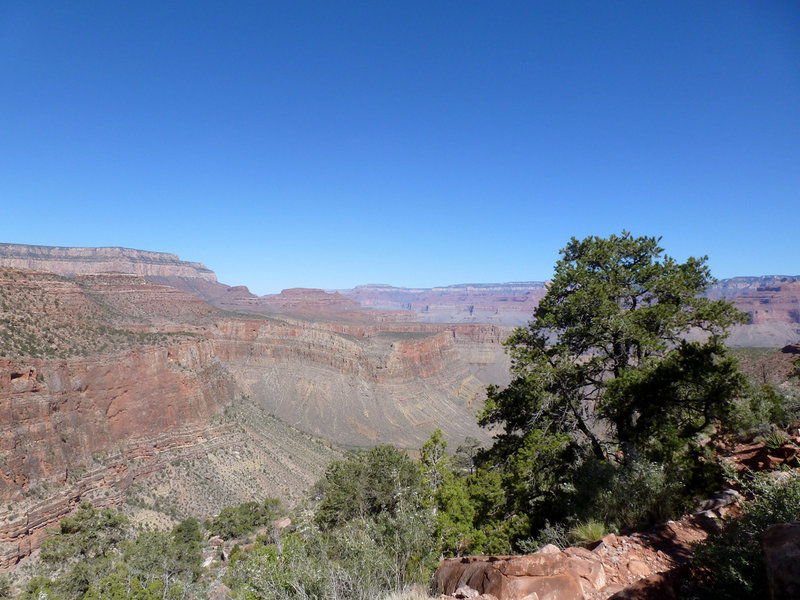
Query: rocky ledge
(642, 565)
(83, 261)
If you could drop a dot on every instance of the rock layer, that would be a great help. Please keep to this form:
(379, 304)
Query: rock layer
(81, 261)
(359, 385)
(110, 380)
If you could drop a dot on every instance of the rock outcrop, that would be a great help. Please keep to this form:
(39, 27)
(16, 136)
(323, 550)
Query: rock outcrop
(565, 575)
(639, 566)
(781, 545)
(110, 380)
(82, 261)
(62, 420)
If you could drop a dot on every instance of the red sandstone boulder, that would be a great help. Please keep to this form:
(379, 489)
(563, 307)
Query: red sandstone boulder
(781, 544)
(567, 575)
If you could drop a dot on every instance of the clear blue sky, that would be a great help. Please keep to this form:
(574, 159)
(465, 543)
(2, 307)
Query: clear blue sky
(329, 144)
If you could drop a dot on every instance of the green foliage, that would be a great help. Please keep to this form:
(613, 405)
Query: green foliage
(762, 409)
(84, 549)
(465, 455)
(361, 559)
(587, 532)
(372, 532)
(434, 462)
(775, 440)
(371, 482)
(5, 586)
(628, 496)
(236, 521)
(730, 564)
(602, 371)
(94, 555)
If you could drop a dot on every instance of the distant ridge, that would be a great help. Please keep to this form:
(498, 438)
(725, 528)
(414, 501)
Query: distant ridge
(86, 261)
(772, 301)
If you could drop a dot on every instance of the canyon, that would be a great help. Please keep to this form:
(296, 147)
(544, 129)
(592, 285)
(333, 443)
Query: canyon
(132, 378)
(125, 392)
(772, 302)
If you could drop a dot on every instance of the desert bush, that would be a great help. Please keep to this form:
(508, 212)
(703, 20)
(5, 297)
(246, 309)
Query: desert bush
(764, 408)
(730, 564)
(96, 555)
(381, 480)
(5, 586)
(629, 496)
(362, 559)
(372, 533)
(236, 521)
(555, 533)
(586, 532)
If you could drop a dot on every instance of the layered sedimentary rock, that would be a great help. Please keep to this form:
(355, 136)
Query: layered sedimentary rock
(59, 417)
(360, 385)
(81, 261)
(500, 303)
(771, 301)
(773, 305)
(733, 287)
(778, 302)
(110, 380)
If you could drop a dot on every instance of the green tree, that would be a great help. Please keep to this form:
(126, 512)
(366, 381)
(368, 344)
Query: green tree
(236, 521)
(85, 548)
(370, 482)
(605, 370)
(435, 463)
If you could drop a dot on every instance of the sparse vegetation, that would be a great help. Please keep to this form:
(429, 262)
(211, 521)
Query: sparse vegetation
(730, 564)
(234, 522)
(604, 427)
(34, 323)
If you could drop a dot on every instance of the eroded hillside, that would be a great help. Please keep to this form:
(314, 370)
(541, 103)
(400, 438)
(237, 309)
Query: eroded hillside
(123, 392)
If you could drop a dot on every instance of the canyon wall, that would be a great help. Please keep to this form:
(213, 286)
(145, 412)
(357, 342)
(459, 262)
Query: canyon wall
(81, 261)
(88, 428)
(114, 389)
(771, 301)
(508, 304)
(358, 385)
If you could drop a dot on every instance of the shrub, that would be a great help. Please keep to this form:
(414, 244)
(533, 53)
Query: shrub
(370, 482)
(730, 564)
(775, 440)
(236, 521)
(763, 409)
(633, 495)
(585, 533)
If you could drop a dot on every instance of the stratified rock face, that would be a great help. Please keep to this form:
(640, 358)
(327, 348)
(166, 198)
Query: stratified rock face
(58, 417)
(108, 380)
(773, 304)
(499, 303)
(733, 287)
(82, 261)
(364, 384)
(779, 303)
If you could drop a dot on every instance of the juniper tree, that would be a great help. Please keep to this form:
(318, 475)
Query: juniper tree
(606, 368)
